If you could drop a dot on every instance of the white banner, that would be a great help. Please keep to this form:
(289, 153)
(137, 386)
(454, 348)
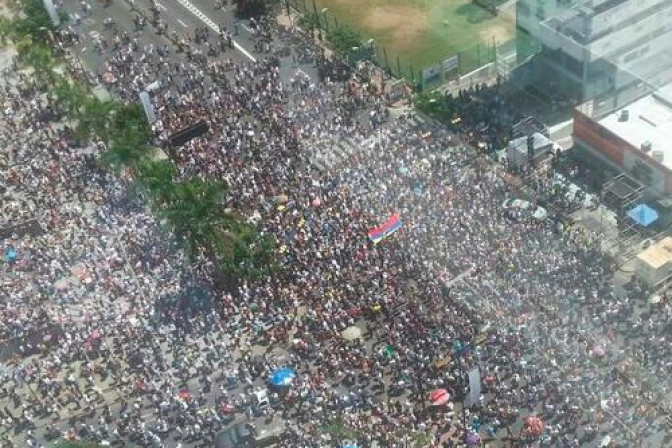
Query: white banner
(474, 387)
(451, 63)
(147, 106)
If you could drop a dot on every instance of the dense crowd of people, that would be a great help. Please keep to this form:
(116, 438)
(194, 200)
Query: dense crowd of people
(111, 334)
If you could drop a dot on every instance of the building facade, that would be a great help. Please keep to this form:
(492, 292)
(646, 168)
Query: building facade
(589, 48)
(635, 138)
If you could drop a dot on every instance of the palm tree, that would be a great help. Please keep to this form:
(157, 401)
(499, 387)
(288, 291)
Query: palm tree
(35, 22)
(129, 116)
(195, 212)
(95, 118)
(71, 95)
(157, 178)
(39, 57)
(126, 150)
(7, 29)
(251, 255)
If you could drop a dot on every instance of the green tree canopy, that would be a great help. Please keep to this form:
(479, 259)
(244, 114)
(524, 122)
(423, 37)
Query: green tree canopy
(194, 210)
(126, 149)
(70, 95)
(95, 118)
(35, 20)
(129, 117)
(157, 177)
(39, 57)
(31, 20)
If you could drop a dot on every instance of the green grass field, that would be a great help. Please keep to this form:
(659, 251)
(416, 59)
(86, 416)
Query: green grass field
(422, 32)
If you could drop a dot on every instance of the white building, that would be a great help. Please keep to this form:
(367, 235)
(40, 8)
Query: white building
(589, 48)
(655, 263)
(635, 138)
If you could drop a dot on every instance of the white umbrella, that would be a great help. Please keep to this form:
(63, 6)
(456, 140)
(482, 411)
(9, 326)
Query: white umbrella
(656, 299)
(540, 213)
(61, 285)
(352, 333)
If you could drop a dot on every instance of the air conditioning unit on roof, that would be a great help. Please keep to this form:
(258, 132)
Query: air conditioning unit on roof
(658, 156)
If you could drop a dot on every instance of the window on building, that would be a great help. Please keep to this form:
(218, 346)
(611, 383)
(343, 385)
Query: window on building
(642, 172)
(523, 9)
(573, 66)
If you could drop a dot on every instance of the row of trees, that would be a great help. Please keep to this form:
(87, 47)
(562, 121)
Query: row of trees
(194, 209)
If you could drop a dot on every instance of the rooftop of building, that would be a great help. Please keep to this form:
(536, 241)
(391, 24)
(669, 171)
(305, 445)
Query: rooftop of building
(658, 255)
(646, 124)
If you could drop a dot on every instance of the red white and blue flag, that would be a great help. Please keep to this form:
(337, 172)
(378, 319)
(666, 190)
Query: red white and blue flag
(378, 234)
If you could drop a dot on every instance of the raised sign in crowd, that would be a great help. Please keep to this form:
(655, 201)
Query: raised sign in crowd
(412, 310)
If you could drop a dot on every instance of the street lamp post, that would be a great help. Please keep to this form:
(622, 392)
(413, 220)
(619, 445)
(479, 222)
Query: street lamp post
(326, 19)
(317, 20)
(371, 44)
(355, 54)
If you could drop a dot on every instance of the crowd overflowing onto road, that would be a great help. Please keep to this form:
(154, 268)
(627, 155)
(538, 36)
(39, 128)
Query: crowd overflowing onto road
(470, 326)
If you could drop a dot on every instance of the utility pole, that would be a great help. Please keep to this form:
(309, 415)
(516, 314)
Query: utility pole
(317, 20)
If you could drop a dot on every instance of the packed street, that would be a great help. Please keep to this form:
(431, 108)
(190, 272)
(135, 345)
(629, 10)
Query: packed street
(412, 309)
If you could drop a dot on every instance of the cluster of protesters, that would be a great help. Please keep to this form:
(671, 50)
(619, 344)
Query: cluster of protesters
(112, 335)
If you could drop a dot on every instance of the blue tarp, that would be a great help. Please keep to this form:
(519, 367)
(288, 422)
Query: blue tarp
(643, 215)
(282, 377)
(10, 255)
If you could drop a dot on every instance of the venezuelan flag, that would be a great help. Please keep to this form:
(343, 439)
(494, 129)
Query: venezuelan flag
(378, 234)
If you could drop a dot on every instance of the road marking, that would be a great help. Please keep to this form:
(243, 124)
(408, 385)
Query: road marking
(197, 12)
(249, 30)
(183, 24)
(95, 35)
(160, 6)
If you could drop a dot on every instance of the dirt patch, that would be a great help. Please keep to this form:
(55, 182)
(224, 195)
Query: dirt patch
(404, 24)
(499, 32)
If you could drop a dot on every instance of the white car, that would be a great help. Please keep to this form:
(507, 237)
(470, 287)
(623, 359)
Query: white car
(538, 213)
(260, 401)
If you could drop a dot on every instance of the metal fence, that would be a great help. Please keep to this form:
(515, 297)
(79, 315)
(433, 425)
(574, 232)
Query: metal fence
(452, 66)
(456, 65)
(315, 18)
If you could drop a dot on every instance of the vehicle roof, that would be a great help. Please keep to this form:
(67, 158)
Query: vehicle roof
(260, 394)
(231, 437)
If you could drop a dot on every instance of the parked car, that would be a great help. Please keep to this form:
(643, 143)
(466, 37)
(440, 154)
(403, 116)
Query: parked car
(260, 402)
